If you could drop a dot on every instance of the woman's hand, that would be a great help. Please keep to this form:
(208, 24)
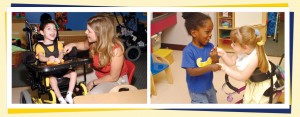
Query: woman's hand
(90, 85)
(68, 48)
(220, 52)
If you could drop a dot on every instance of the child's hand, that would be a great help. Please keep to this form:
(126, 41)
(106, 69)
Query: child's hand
(214, 55)
(51, 59)
(215, 67)
(221, 52)
(57, 60)
(223, 66)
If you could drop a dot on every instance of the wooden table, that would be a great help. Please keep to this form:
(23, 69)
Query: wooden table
(125, 97)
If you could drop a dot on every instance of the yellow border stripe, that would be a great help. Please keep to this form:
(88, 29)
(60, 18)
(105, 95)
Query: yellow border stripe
(51, 110)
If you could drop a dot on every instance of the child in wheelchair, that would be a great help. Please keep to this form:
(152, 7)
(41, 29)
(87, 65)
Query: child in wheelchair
(51, 52)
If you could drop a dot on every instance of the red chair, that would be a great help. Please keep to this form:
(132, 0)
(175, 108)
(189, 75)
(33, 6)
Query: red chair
(130, 71)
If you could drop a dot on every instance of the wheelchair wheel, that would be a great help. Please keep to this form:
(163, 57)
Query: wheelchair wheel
(133, 53)
(25, 97)
(52, 97)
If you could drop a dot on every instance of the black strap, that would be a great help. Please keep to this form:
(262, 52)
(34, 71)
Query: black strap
(258, 76)
(48, 53)
(281, 59)
(271, 91)
(273, 68)
(229, 85)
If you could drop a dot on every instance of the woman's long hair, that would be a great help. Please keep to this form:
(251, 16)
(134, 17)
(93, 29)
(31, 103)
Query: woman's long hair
(106, 38)
(246, 35)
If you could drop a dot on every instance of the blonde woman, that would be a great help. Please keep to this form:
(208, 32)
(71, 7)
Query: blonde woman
(106, 50)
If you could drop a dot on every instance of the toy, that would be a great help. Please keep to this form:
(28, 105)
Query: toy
(55, 63)
(226, 25)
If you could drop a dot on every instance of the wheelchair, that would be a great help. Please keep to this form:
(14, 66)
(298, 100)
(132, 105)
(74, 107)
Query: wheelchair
(38, 72)
(133, 35)
(38, 75)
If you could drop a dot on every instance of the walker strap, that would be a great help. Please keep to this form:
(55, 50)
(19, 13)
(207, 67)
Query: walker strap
(229, 85)
(238, 90)
(241, 89)
(258, 76)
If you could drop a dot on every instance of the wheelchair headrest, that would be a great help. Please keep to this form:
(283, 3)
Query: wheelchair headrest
(38, 37)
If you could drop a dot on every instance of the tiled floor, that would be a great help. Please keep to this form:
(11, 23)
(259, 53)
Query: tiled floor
(177, 93)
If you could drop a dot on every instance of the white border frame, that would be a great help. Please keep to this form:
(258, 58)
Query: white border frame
(149, 10)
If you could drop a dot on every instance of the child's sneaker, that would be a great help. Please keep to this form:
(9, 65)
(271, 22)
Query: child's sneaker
(62, 100)
(69, 98)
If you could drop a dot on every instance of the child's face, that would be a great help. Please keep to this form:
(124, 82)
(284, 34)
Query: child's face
(203, 34)
(91, 35)
(49, 32)
(237, 48)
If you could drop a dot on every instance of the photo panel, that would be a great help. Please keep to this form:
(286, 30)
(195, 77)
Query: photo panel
(120, 36)
(180, 39)
(149, 36)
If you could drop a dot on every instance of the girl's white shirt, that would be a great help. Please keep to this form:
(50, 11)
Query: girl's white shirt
(243, 60)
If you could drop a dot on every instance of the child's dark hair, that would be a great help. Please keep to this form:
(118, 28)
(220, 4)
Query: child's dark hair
(45, 17)
(44, 23)
(194, 20)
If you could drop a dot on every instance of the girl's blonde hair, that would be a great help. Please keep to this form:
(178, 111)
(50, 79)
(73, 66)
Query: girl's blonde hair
(246, 35)
(106, 38)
